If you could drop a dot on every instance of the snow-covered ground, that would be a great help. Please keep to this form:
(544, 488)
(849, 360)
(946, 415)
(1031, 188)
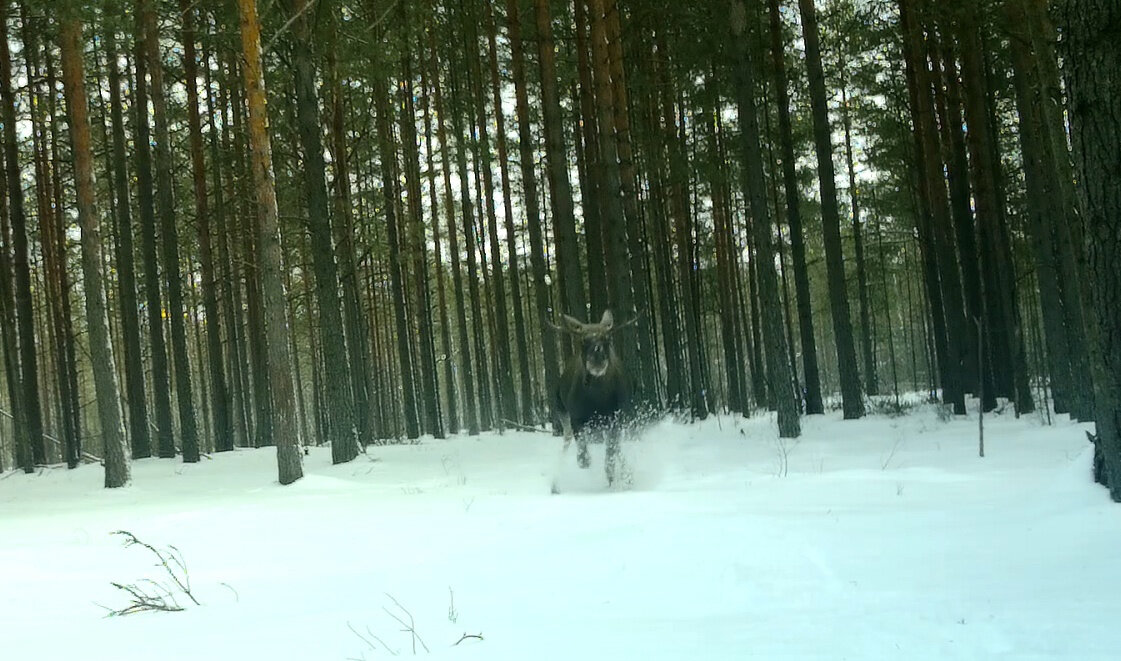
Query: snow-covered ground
(884, 538)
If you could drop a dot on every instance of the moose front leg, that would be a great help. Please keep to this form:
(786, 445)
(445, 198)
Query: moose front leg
(581, 442)
(611, 453)
(566, 428)
(582, 459)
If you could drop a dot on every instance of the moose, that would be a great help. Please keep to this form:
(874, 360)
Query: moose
(593, 390)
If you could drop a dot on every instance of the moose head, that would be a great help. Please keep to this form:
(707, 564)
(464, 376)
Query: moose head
(596, 347)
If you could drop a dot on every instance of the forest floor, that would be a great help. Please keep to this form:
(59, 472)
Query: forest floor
(883, 538)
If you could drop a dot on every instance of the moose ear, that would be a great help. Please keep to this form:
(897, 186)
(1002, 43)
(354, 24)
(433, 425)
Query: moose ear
(573, 325)
(608, 320)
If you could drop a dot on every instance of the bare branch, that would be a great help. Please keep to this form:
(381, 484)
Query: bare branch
(466, 635)
(409, 628)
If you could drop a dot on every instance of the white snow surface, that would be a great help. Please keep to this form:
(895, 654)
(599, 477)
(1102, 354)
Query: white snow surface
(881, 538)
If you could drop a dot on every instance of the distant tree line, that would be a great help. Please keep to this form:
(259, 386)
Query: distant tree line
(351, 221)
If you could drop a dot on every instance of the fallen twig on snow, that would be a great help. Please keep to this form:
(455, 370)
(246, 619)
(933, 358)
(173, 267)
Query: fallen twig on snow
(522, 427)
(466, 635)
(409, 628)
(157, 596)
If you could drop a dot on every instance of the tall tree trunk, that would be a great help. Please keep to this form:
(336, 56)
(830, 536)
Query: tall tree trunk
(357, 338)
(529, 193)
(871, 383)
(257, 340)
(619, 270)
(726, 285)
(417, 246)
(219, 393)
(1052, 212)
(160, 384)
(341, 431)
(939, 254)
(430, 67)
(52, 242)
(229, 271)
(33, 451)
(947, 98)
(564, 223)
(525, 405)
(852, 403)
(591, 184)
(1092, 60)
(139, 436)
(280, 378)
(780, 380)
(676, 375)
(478, 316)
(999, 272)
(471, 407)
(169, 235)
(387, 156)
(784, 268)
(8, 332)
(507, 405)
(117, 471)
(683, 236)
(646, 347)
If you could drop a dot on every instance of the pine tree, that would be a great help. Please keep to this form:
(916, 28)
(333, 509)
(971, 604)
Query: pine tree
(117, 471)
(852, 402)
(280, 379)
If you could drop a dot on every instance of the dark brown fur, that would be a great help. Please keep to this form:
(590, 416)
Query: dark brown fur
(592, 391)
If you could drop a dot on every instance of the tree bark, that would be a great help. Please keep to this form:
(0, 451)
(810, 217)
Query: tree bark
(139, 437)
(780, 380)
(683, 237)
(620, 275)
(999, 275)
(341, 432)
(280, 378)
(357, 337)
(811, 377)
(229, 271)
(416, 246)
(525, 404)
(853, 405)
(169, 236)
(257, 340)
(8, 331)
(478, 316)
(430, 67)
(52, 242)
(871, 383)
(592, 175)
(943, 279)
(219, 393)
(507, 404)
(160, 384)
(564, 223)
(117, 471)
(471, 407)
(1092, 60)
(32, 451)
(530, 197)
(734, 363)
